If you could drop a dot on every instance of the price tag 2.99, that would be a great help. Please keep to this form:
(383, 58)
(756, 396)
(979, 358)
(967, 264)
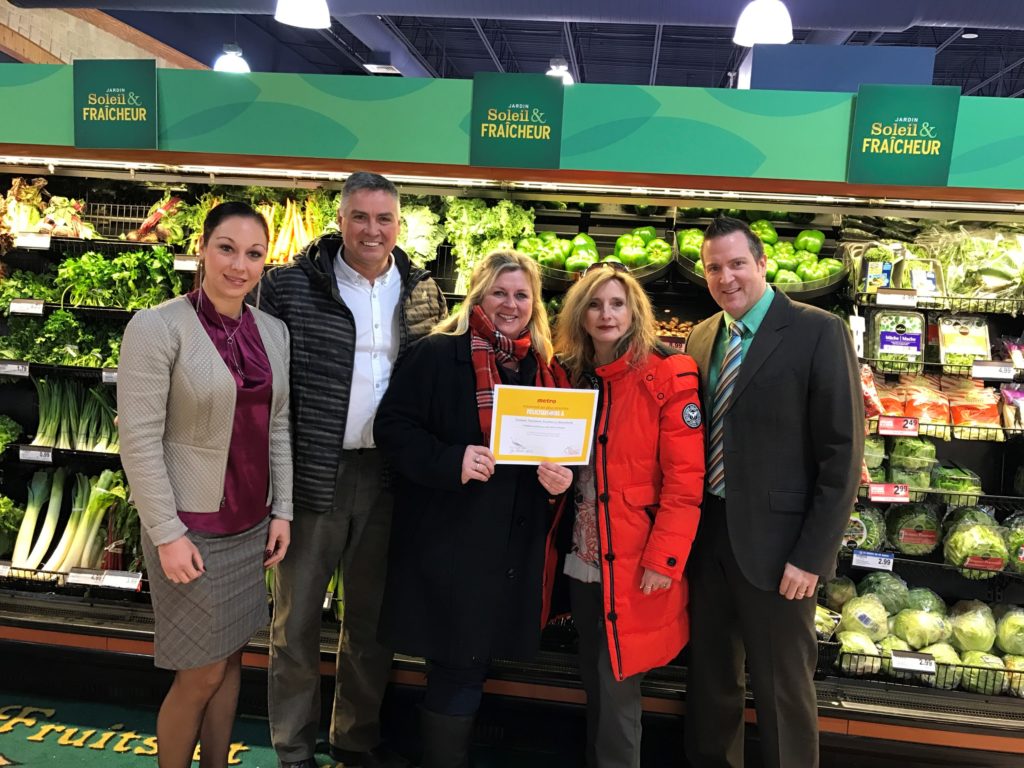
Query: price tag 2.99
(892, 493)
(896, 297)
(876, 561)
(911, 661)
(35, 454)
(897, 426)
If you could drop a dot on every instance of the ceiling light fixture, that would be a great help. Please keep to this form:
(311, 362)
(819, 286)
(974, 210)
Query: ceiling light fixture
(969, 34)
(231, 60)
(560, 68)
(764, 21)
(309, 14)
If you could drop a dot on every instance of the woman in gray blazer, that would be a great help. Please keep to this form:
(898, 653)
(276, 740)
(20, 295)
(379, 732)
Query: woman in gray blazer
(203, 411)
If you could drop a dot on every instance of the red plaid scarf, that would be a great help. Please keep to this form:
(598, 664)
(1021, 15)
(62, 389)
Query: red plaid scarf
(490, 348)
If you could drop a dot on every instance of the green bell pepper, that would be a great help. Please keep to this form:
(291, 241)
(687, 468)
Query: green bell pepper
(784, 276)
(547, 237)
(802, 256)
(581, 258)
(551, 256)
(784, 248)
(646, 233)
(771, 269)
(633, 256)
(627, 239)
(769, 250)
(529, 245)
(778, 215)
(733, 213)
(690, 242)
(659, 252)
(811, 270)
(810, 240)
(583, 240)
(612, 257)
(565, 245)
(765, 231)
(698, 267)
(834, 266)
(787, 262)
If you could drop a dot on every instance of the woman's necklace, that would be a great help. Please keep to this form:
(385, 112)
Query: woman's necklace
(233, 354)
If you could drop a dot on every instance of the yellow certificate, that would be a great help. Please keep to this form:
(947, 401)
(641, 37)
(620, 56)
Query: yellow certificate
(534, 424)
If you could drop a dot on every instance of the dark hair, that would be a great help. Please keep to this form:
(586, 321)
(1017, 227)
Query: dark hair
(221, 213)
(364, 180)
(726, 225)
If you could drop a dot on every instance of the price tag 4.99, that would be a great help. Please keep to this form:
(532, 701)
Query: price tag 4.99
(35, 454)
(896, 297)
(911, 661)
(892, 493)
(897, 426)
(876, 561)
(992, 370)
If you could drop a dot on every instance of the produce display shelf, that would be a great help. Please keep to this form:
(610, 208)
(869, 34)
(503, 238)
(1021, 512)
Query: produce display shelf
(986, 682)
(46, 455)
(896, 367)
(959, 431)
(810, 290)
(29, 369)
(112, 313)
(959, 304)
(1003, 505)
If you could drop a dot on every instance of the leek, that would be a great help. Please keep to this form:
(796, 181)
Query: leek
(78, 501)
(106, 492)
(45, 537)
(38, 491)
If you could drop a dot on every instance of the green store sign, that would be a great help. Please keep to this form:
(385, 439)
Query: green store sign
(115, 104)
(903, 134)
(516, 121)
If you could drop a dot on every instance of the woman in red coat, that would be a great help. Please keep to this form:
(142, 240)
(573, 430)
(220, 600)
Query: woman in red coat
(637, 503)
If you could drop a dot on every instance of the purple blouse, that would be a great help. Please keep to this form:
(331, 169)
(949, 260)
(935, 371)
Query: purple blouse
(247, 480)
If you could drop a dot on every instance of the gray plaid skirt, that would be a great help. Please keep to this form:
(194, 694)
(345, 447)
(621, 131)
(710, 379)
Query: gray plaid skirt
(210, 618)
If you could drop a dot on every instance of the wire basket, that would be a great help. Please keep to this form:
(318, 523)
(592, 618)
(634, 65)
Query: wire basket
(114, 219)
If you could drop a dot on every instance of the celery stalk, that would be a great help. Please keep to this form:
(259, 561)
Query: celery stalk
(45, 537)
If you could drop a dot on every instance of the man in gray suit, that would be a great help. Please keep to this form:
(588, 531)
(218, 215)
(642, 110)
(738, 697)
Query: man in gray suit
(785, 441)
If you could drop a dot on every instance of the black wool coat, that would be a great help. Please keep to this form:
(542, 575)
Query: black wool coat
(466, 563)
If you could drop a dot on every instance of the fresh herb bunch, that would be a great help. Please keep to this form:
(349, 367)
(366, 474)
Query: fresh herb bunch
(10, 431)
(475, 229)
(62, 339)
(131, 280)
(22, 284)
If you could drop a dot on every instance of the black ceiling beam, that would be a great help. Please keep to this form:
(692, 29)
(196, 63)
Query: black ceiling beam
(340, 45)
(577, 72)
(655, 54)
(994, 77)
(487, 45)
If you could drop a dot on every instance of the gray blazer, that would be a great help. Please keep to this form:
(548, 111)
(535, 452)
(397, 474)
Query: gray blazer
(176, 406)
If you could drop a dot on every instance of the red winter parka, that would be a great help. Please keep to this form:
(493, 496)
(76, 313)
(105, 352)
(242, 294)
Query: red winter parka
(649, 470)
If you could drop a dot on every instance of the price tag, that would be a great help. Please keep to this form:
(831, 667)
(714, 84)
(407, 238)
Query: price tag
(87, 577)
(11, 368)
(897, 426)
(992, 370)
(876, 561)
(896, 297)
(911, 661)
(109, 375)
(328, 600)
(893, 493)
(121, 580)
(858, 327)
(35, 454)
(186, 263)
(35, 241)
(26, 306)
(5, 570)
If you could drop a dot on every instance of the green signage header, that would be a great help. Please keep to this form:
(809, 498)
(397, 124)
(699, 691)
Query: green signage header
(516, 120)
(115, 104)
(903, 134)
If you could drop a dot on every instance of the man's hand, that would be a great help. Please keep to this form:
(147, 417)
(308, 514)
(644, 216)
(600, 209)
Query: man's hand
(797, 584)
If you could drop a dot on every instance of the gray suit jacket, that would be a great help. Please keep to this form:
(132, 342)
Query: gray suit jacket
(794, 440)
(176, 407)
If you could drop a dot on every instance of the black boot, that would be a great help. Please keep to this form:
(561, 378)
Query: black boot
(445, 739)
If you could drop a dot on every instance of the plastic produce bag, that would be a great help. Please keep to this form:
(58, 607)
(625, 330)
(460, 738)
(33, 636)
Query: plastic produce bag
(1010, 632)
(874, 451)
(885, 648)
(825, 622)
(889, 588)
(948, 671)
(1015, 542)
(1014, 675)
(858, 655)
(866, 615)
(969, 514)
(983, 673)
(897, 340)
(977, 549)
(974, 626)
(866, 528)
(838, 592)
(912, 529)
(924, 599)
(912, 453)
(921, 628)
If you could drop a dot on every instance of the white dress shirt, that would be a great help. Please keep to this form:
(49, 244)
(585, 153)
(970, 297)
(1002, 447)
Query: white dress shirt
(375, 309)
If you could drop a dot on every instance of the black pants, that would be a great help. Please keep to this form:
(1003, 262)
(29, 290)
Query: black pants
(454, 690)
(614, 708)
(732, 621)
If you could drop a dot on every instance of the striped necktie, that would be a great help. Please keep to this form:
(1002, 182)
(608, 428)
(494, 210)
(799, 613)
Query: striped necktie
(723, 393)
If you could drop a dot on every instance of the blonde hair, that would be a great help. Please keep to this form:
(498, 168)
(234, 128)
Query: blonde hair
(573, 344)
(484, 276)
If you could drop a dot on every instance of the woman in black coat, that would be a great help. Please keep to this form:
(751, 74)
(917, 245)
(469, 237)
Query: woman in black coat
(467, 560)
